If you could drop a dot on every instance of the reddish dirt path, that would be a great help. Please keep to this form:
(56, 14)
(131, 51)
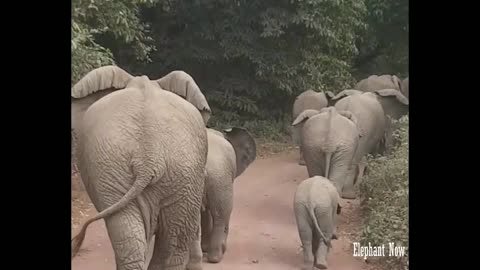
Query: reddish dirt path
(263, 232)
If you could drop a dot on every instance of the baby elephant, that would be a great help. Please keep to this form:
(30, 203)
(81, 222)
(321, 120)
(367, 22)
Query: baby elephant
(316, 206)
(229, 154)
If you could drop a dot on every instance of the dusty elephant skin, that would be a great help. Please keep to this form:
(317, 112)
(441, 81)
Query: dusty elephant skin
(315, 206)
(308, 100)
(229, 155)
(141, 153)
(371, 123)
(329, 142)
(393, 104)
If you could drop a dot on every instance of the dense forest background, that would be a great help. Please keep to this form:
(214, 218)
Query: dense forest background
(250, 58)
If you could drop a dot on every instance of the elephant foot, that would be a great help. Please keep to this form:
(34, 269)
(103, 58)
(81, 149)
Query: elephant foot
(349, 195)
(216, 258)
(321, 265)
(216, 254)
(307, 266)
(194, 266)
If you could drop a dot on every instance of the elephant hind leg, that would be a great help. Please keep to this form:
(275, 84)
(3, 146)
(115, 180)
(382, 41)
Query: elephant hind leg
(196, 255)
(325, 221)
(220, 205)
(127, 234)
(348, 190)
(207, 226)
(177, 229)
(306, 236)
(301, 159)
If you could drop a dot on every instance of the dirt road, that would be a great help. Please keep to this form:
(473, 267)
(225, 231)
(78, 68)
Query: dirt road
(263, 232)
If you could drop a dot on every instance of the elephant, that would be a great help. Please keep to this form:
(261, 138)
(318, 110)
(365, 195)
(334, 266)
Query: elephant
(394, 105)
(141, 153)
(308, 99)
(329, 141)
(375, 82)
(371, 110)
(316, 208)
(178, 82)
(404, 87)
(229, 154)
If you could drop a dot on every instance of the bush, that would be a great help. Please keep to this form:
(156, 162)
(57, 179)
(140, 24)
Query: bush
(384, 195)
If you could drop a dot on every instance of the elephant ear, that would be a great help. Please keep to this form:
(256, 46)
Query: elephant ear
(393, 93)
(329, 94)
(95, 85)
(396, 81)
(346, 93)
(103, 78)
(305, 115)
(182, 84)
(244, 146)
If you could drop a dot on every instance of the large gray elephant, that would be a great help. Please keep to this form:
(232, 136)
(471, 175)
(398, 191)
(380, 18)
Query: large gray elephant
(371, 110)
(329, 141)
(229, 154)
(308, 100)
(141, 153)
(316, 208)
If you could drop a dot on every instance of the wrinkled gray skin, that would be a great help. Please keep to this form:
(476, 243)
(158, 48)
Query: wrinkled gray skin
(142, 153)
(329, 141)
(394, 105)
(315, 205)
(371, 123)
(308, 100)
(229, 154)
(375, 82)
(404, 87)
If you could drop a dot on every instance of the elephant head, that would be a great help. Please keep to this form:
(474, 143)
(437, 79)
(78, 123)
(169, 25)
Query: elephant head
(244, 146)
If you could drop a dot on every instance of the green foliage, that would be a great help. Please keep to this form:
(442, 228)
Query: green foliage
(250, 58)
(384, 44)
(384, 194)
(98, 26)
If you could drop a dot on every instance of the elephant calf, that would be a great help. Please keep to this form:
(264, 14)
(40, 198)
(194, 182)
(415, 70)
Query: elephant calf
(316, 208)
(228, 156)
(308, 100)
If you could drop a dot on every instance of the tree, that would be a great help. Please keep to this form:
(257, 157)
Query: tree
(251, 58)
(384, 44)
(99, 22)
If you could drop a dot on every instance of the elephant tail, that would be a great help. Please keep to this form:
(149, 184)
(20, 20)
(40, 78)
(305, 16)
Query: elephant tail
(328, 158)
(138, 186)
(315, 222)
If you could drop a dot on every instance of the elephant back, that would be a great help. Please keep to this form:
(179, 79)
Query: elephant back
(309, 100)
(374, 83)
